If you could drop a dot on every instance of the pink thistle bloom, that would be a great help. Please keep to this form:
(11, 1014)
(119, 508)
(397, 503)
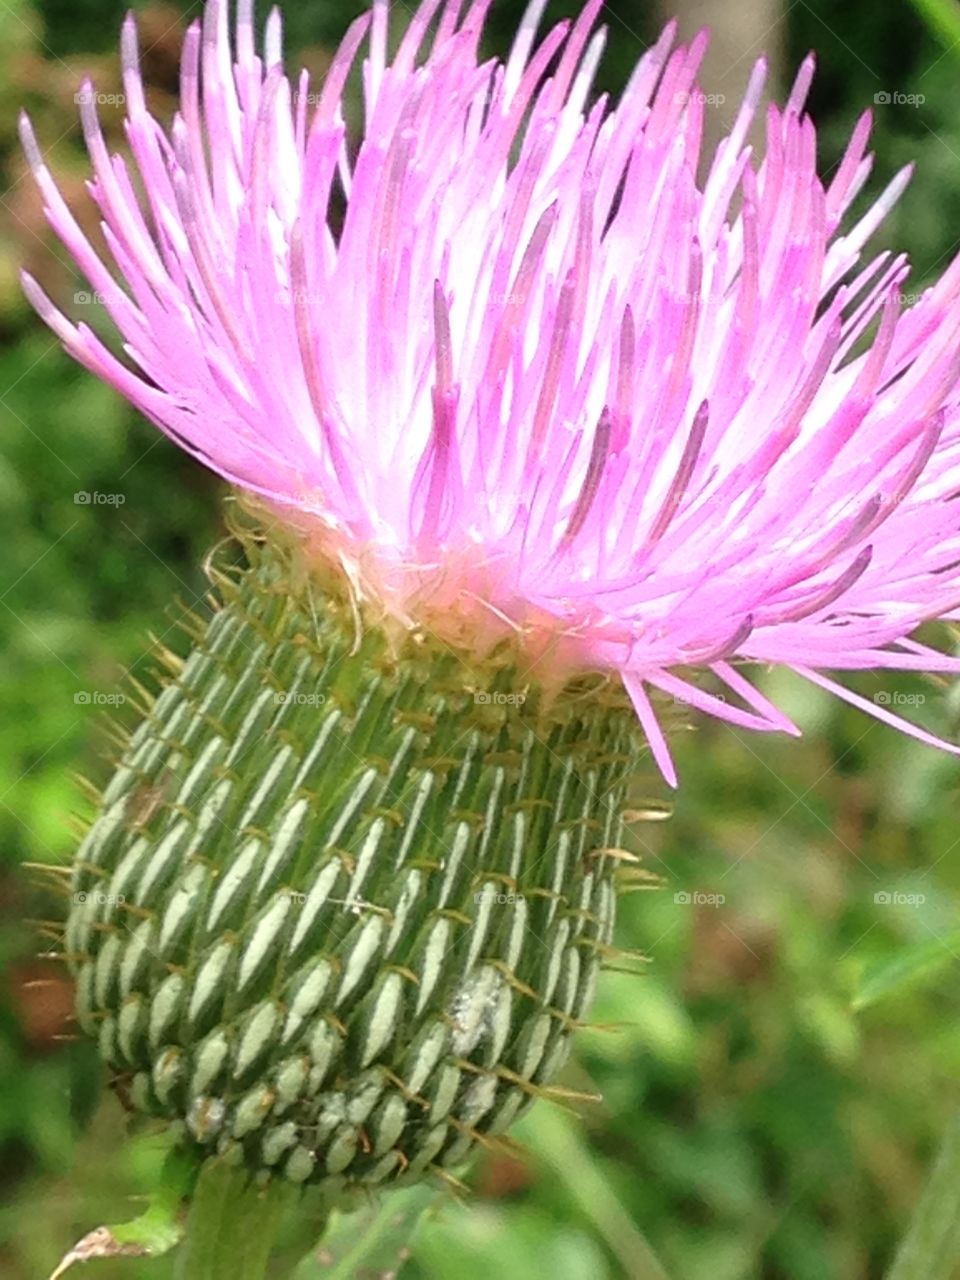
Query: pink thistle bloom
(538, 376)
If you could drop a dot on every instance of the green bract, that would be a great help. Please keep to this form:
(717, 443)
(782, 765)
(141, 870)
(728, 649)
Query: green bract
(347, 895)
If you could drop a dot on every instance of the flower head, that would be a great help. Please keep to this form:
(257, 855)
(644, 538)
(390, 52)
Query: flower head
(517, 367)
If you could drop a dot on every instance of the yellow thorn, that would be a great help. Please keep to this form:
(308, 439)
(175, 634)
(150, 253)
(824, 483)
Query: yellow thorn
(491, 1142)
(512, 979)
(556, 1091)
(533, 802)
(619, 855)
(404, 972)
(652, 812)
(49, 868)
(89, 789)
(142, 912)
(456, 1186)
(451, 913)
(620, 968)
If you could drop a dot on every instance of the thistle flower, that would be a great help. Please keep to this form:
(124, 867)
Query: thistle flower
(535, 375)
(529, 403)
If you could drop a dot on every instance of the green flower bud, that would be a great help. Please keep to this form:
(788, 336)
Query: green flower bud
(348, 892)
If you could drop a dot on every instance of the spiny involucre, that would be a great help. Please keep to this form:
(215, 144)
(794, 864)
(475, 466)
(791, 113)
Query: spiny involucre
(520, 369)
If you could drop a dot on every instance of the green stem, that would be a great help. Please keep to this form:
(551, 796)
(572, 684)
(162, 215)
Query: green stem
(931, 1248)
(372, 1239)
(232, 1226)
(556, 1140)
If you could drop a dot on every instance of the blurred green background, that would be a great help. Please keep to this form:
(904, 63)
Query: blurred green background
(775, 1079)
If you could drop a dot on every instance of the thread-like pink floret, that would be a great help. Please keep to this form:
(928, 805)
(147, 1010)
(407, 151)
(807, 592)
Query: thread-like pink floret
(511, 340)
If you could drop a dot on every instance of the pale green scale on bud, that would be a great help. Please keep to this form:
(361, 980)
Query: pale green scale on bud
(346, 899)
